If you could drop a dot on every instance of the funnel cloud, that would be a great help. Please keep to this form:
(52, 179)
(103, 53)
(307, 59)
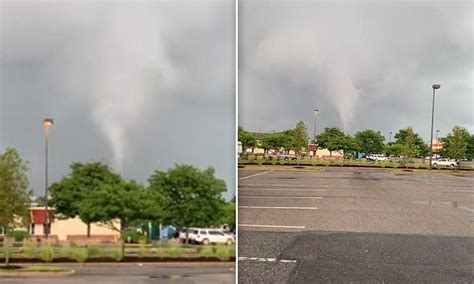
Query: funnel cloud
(363, 64)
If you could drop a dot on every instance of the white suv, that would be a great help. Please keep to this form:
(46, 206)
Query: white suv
(445, 162)
(213, 236)
(376, 157)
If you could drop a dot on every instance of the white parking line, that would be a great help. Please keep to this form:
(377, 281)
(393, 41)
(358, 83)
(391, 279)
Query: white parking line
(262, 259)
(283, 197)
(271, 226)
(283, 185)
(254, 175)
(282, 189)
(270, 207)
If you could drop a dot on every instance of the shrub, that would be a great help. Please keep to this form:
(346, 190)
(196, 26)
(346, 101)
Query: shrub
(206, 251)
(174, 251)
(80, 254)
(20, 236)
(136, 237)
(47, 253)
(169, 251)
(66, 251)
(7, 250)
(223, 252)
(93, 251)
(30, 249)
(141, 252)
(251, 157)
(117, 254)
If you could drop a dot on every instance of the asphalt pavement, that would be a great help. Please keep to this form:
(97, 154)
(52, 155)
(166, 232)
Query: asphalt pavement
(137, 273)
(357, 225)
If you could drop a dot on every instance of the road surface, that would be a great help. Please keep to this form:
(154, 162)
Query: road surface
(138, 273)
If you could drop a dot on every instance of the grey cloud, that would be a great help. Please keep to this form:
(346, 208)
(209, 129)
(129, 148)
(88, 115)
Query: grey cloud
(140, 85)
(363, 64)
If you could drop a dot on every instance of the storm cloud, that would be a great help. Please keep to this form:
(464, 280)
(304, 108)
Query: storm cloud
(140, 85)
(363, 64)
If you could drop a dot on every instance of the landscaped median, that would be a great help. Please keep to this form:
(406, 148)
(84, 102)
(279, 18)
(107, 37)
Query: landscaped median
(67, 253)
(260, 161)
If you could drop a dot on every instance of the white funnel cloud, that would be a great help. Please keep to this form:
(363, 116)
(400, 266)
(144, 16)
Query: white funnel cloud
(308, 54)
(131, 66)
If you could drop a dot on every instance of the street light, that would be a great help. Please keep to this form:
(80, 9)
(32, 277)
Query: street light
(437, 131)
(435, 86)
(390, 140)
(47, 124)
(316, 111)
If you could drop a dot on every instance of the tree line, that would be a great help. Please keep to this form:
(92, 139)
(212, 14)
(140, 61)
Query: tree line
(184, 196)
(459, 144)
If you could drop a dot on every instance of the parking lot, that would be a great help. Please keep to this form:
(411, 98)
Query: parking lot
(355, 224)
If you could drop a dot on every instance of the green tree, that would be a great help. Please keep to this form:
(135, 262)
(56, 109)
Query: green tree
(300, 139)
(470, 148)
(393, 149)
(419, 147)
(456, 144)
(246, 138)
(126, 202)
(229, 214)
(14, 192)
(190, 197)
(272, 141)
(332, 138)
(72, 195)
(350, 146)
(409, 148)
(287, 139)
(369, 141)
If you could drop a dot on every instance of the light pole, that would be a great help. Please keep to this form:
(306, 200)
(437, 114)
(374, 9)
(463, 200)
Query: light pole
(316, 111)
(390, 140)
(437, 132)
(47, 124)
(435, 86)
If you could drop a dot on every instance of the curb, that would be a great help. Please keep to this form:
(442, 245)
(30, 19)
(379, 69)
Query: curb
(17, 274)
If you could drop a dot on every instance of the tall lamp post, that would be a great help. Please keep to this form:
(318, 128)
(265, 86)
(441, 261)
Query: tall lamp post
(435, 87)
(437, 132)
(47, 124)
(316, 111)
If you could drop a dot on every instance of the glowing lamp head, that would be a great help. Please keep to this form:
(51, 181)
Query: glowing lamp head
(47, 123)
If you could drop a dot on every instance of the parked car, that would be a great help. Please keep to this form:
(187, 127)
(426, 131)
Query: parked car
(191, 235)
(445, 162)
(282, 156)
(376, 157)
(213, 236)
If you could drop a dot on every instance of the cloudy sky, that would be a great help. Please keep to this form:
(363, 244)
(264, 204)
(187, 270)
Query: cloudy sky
(363, 64)
(140, 85)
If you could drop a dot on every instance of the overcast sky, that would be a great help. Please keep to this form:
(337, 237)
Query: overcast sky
(140, 85)
(364, 64)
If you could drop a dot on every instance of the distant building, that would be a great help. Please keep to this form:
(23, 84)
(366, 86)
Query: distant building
(437, 145)
(313, 150)
(70, 229)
